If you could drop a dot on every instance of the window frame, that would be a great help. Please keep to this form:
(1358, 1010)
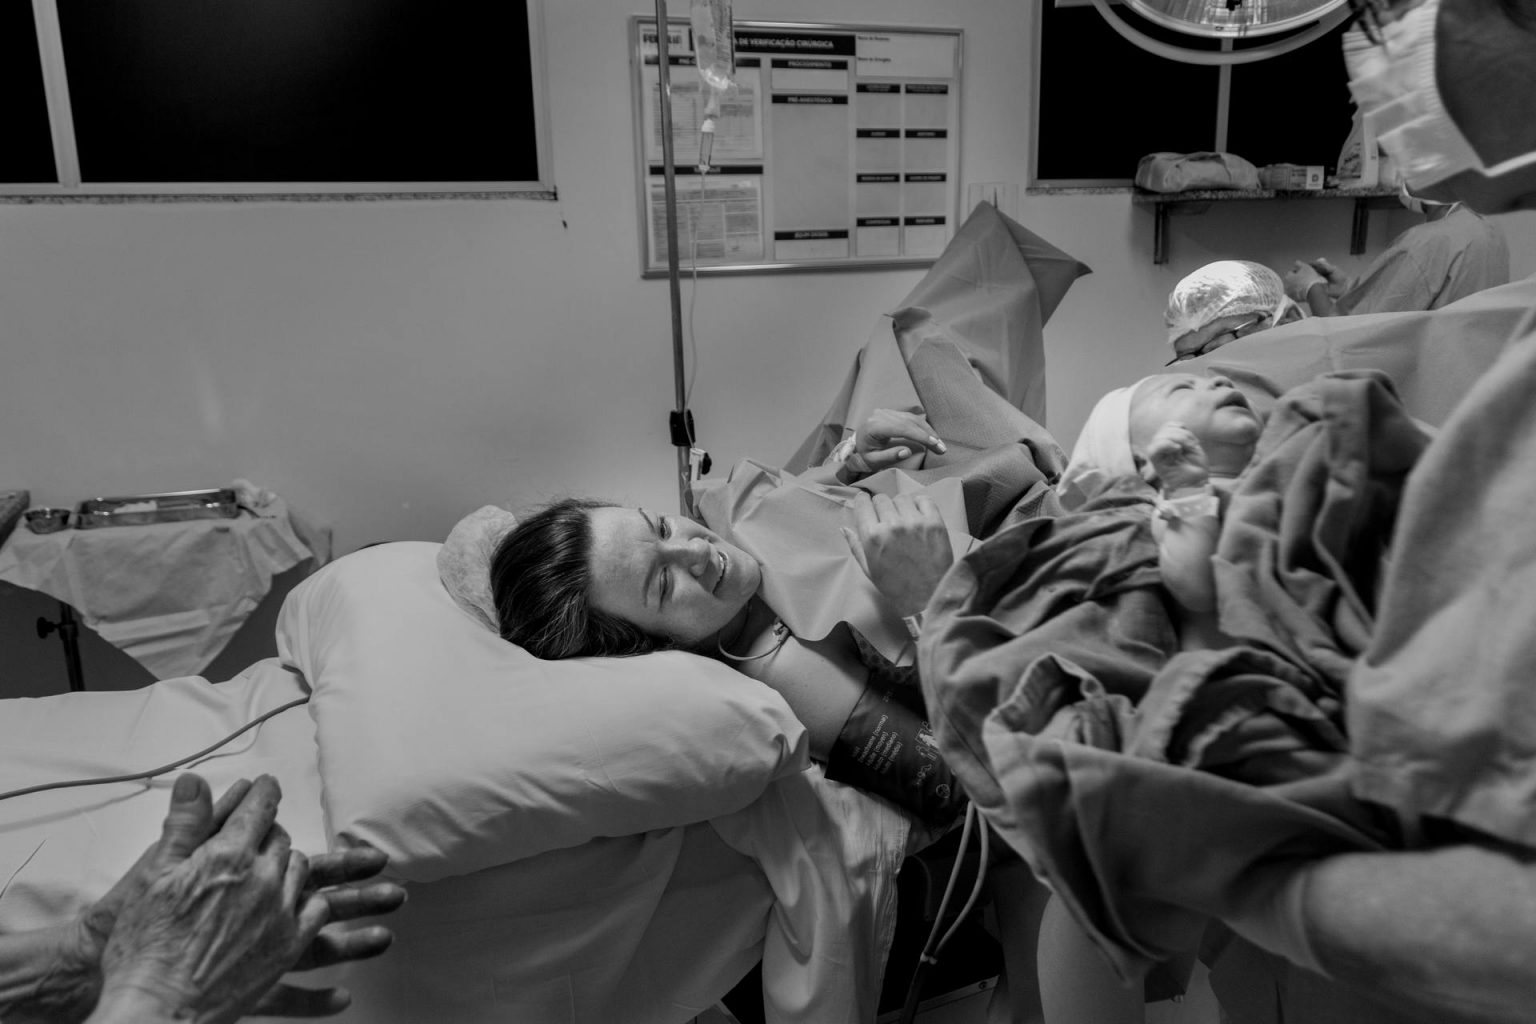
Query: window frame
(67, 162)
(1126, 182)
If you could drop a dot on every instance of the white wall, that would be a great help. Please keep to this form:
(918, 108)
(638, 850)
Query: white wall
(388, 366)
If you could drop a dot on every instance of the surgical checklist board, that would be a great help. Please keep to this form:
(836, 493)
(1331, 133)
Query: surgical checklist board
(838, 146)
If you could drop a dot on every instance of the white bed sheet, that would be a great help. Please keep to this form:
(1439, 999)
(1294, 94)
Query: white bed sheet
(633, 930)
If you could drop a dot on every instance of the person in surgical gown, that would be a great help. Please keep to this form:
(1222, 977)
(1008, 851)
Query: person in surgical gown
(1440, 713)
(1455, 252)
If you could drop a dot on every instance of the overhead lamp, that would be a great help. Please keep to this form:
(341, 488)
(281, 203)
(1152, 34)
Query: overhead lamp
(1228, 21)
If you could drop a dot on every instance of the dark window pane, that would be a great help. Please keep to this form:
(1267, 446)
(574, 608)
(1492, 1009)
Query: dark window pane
(1105, 103)
(300, 90)
(26, 145)
(1294, 108)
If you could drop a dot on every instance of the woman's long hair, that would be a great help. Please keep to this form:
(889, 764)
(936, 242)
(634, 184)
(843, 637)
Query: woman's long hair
(540, 580)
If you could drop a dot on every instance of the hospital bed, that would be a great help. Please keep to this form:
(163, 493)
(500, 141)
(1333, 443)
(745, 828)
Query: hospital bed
(583, 842)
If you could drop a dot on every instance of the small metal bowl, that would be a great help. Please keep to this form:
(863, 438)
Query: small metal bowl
(46, 520)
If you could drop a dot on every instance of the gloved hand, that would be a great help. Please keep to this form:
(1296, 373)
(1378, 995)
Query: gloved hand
(1338, 284)
(1300, 279)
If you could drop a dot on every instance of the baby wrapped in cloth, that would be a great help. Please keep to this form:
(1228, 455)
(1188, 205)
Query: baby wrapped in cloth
(1140, 781)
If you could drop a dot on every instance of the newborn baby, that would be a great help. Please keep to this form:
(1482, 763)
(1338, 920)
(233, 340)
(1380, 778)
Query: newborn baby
(1189, 436)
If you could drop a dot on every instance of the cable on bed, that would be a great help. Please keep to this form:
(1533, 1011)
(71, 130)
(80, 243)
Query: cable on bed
(935, 943)
(247, 727)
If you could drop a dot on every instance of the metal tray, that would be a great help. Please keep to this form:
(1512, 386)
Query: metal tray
(170, 507)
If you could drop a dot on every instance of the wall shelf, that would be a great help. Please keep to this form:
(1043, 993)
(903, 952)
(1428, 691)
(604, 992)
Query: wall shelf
(1199, 201)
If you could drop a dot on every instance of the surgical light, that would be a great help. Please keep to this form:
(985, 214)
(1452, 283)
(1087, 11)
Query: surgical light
(1227, 20)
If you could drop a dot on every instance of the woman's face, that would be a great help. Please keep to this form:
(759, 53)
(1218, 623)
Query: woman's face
(1211, 408)
(667, 574)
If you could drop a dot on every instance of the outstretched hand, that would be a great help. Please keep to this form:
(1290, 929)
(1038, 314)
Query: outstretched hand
(214, 913)
(902, 545)
(889, 438)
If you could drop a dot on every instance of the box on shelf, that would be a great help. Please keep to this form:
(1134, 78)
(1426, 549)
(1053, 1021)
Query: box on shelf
(1291, 177)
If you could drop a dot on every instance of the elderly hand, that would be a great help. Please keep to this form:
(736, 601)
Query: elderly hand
(213, 914)
(1300, 279)
(889, 438)
(902, 545)
(1175, 460)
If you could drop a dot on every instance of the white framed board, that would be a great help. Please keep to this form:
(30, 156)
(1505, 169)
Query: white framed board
(838, 147)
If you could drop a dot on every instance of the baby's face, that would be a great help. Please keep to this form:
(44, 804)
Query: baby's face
(1211, 408)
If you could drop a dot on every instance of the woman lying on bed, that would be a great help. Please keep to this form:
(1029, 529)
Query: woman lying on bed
(582, 578)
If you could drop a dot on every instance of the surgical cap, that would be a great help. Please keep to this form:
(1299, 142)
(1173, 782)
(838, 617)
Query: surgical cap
(1223, 288)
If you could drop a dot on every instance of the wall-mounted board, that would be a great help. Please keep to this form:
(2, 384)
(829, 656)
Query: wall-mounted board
(839, 147)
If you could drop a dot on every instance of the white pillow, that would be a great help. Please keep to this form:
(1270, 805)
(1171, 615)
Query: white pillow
(452, 750)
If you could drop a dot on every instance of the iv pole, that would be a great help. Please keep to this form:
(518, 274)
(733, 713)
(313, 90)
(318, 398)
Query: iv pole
(682, 419)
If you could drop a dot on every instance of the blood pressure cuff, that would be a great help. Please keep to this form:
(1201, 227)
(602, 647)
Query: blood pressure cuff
(886, 748)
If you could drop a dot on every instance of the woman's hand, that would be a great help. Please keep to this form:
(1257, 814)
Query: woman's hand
(902, 545)
(890, 438)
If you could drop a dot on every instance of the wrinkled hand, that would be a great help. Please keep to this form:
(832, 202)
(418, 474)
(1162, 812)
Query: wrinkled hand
(1338, 284)
(212, 915)
(1175, 460)
(188, 824)
(1300, 279)
(902, 545)
(889, 438)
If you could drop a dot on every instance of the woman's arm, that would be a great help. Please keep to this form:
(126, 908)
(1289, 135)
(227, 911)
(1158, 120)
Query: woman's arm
(820, 680)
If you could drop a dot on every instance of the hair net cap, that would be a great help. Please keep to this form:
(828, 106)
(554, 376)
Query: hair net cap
(1223, 288)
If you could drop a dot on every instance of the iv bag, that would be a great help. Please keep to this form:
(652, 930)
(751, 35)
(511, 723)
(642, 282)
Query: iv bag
(714, 45)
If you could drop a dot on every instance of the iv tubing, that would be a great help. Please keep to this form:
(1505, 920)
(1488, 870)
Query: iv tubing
(151, 773)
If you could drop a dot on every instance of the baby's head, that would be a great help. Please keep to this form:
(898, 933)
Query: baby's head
(1211, 408)
(1114, 441)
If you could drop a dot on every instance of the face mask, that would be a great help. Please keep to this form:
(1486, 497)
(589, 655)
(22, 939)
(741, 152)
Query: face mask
(1394, 85)
(1413, 202)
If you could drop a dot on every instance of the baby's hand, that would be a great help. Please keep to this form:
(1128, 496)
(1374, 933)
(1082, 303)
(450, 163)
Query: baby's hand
(1176, 460)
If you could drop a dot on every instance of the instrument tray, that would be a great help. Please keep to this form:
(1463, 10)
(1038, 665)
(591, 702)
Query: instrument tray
(170, 507)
